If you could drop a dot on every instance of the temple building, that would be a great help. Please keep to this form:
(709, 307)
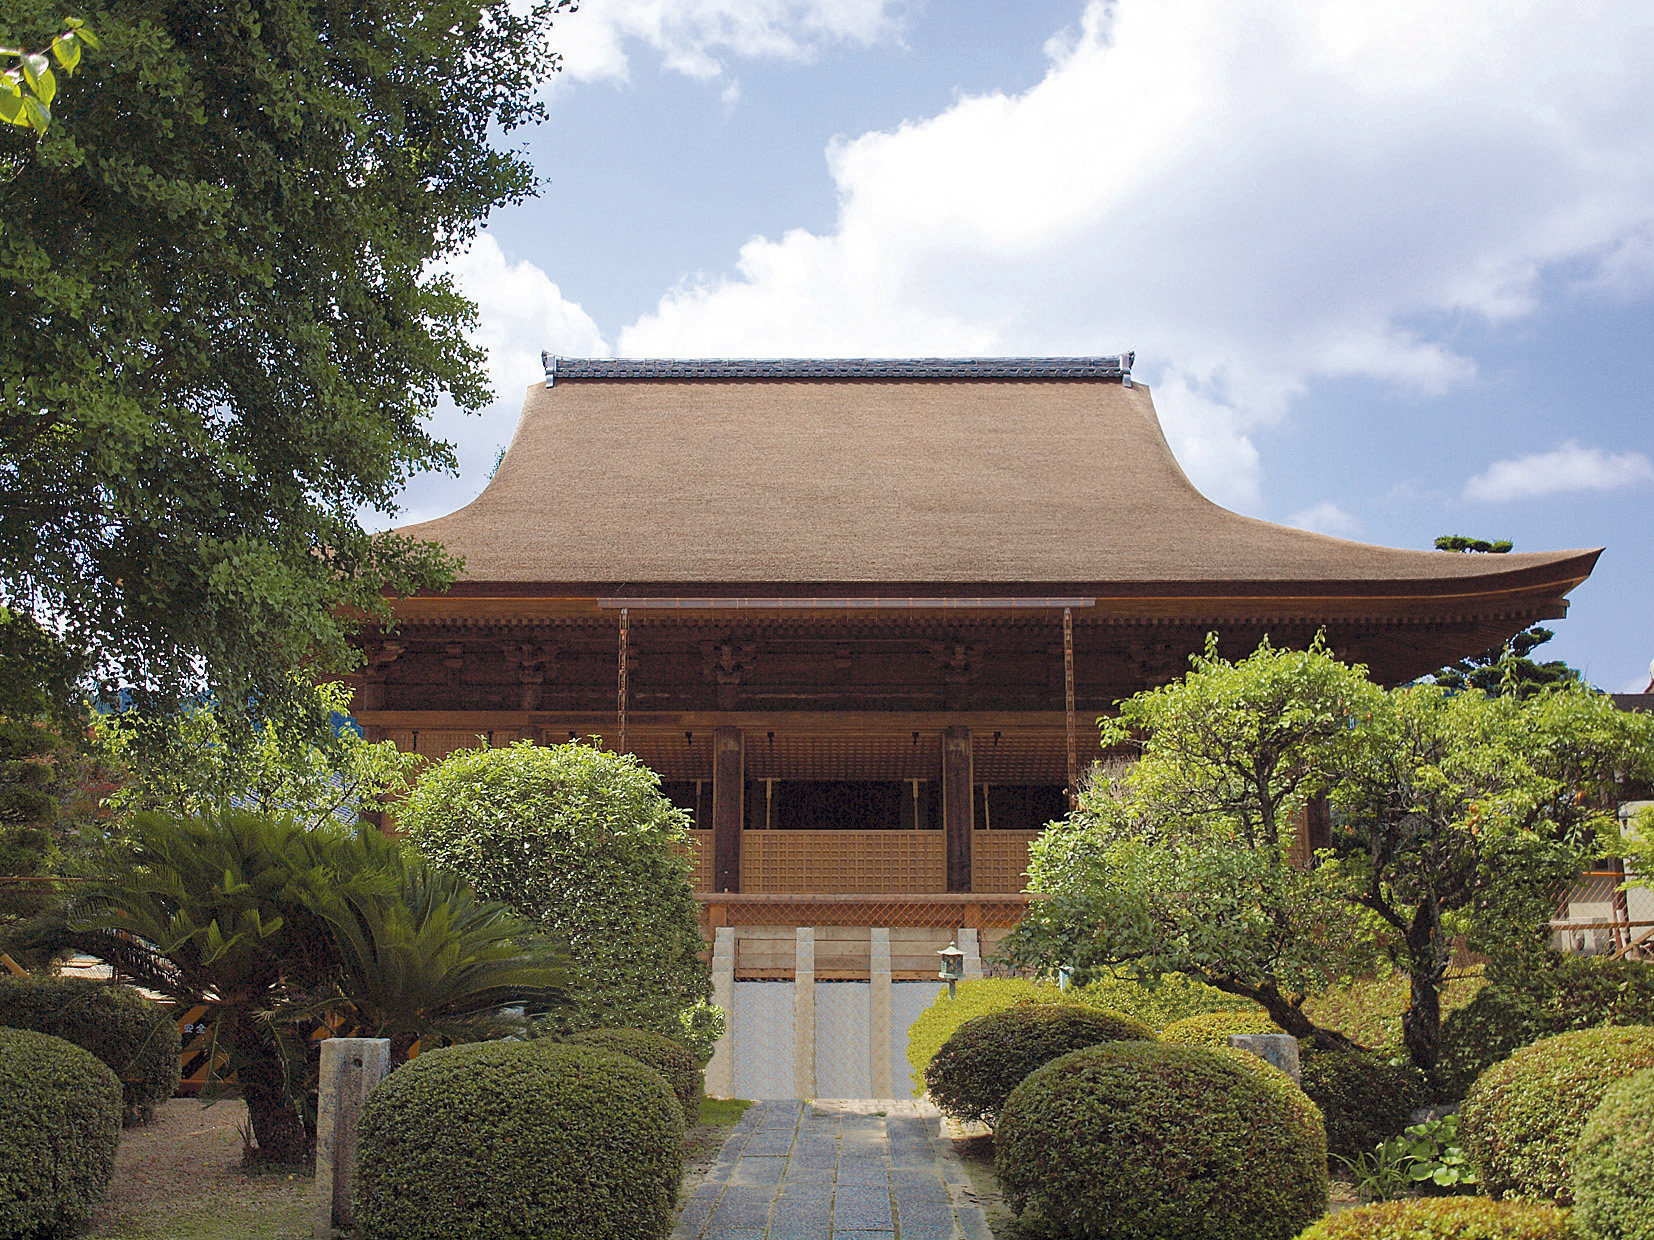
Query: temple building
(861, 617)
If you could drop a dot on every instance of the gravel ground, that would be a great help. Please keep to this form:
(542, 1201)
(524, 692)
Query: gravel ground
(180, 1177)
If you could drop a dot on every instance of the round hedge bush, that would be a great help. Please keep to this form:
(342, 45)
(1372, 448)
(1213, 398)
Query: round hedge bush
(1479, 1035)
(1613, 1170)
(1445, 1218)
(1520, 1120)
(1308, 1126)
(1365, 1096)
(1212, 1029)
(986, 1058)
(677, 1064)
(136, 1038)
(1145, 1141)
(528, 1140)
(60, 1124)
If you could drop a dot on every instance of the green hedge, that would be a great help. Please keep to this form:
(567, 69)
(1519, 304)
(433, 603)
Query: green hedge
(1569, 992)
(1156, 1006)
(678, 1066)
(1365, 1096)
(136, 1038)
(1307, 1123)
(986, 1058)
(532, 1140)
(1445, 1218)
(1212, 1029)
(1614, 1164)
(1520, 1120)
(60, 1125)
(1147, 1141)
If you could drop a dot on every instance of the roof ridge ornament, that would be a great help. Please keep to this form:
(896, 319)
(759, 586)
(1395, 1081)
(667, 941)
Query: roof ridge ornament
(1107, 369)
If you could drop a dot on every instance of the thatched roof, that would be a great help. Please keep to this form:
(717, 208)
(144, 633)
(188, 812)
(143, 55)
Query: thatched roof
(997, 475)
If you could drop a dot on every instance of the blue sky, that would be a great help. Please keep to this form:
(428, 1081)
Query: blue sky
(1388, 268)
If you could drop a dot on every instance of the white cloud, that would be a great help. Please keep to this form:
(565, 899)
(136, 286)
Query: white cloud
(1324, 518)
(520, 312)
(693, 37)
(1572, 467)
(1254, 196)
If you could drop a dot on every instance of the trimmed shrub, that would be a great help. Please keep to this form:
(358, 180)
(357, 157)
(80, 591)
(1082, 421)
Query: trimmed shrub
(1569, 992)
(531, 1140)
(986, 1058)
(678, 1065)
(136, 1038)
(1614, 1164)
(1212, 1029)
(1156, 1006)
(1520, 1120)
(1365, 1096)
(1309, 1127)
(1144, 1141)
(1445, 1218)
(1479, 1035)
(60, 1124)
(582, 842)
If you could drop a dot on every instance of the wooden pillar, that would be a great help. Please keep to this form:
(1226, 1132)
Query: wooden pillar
(728, 774)
(1318, 827)
(958, 805)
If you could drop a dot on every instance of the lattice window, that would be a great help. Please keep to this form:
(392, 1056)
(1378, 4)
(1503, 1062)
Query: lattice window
(999, 860)
(843, 861)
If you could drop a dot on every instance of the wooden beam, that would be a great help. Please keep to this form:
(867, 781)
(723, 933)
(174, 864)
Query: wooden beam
(728, 787)
(958, 805)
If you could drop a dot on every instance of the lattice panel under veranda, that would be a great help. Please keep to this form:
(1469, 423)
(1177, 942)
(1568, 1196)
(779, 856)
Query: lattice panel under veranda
(843, 861)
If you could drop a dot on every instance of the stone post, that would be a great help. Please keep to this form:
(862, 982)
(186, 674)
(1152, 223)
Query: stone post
(1280, 1049)
(878, 1014)
(720, 1072)
(804, 1013)
(968, 943)
(350, 1068)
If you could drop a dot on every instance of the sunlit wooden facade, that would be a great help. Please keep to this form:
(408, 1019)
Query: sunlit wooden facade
(860, 616)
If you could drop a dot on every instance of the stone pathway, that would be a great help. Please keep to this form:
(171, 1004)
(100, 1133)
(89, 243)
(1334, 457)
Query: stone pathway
(858, 1169)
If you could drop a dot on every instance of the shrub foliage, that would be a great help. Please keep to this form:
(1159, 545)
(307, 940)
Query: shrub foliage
(582, 842)
(1212, 1029)
(986, 1058)
(527, 1139)
(1614, 1164)
(678, 1066)
(1146, 1141)
(1522, 1117)
(1157, 1006)
(1445, 1218)
(1365, 1096)
(60, 1124)
(134, 1037)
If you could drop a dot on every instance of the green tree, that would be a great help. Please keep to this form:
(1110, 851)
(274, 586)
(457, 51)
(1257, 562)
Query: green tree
(52, 787)
(1184, 865)
(1505, 668)
(220, 334)
(29, 86)
(201, 760)
(273, 926)
(582, 842)
(1466, 814)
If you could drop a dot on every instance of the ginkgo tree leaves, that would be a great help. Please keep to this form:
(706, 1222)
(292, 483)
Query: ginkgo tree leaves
(29, 86)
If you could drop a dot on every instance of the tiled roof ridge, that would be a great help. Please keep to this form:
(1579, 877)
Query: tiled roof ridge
(1115, 368)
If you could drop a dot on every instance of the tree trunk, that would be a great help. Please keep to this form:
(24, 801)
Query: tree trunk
(1286, 1014)
(279, 1130)
(1421, 1023)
